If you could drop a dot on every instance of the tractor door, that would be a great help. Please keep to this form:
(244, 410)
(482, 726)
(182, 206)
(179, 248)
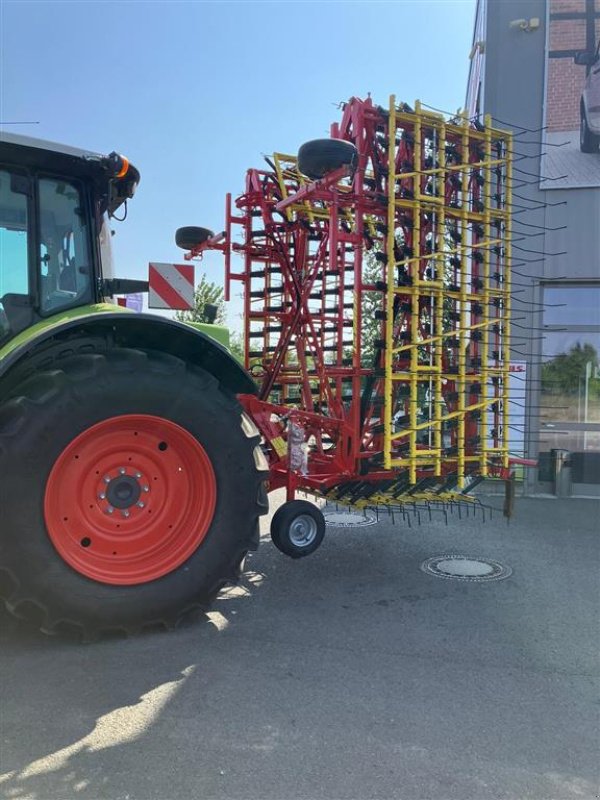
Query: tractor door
(64, 256)
(46, 253)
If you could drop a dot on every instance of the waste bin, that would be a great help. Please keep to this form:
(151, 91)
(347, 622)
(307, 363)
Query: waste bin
(561, 460)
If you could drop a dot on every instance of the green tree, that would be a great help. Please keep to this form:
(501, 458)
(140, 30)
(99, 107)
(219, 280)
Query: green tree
(236, 345)
(371, 302)
(206, 293)
(565, 370)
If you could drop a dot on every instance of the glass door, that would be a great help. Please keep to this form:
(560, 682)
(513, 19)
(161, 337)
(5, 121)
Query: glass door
(569, 408)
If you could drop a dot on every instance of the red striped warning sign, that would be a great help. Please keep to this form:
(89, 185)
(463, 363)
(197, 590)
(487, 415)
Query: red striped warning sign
(171, 286)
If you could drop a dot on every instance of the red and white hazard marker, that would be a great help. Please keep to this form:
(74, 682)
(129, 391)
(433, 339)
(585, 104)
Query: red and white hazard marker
(171, 286)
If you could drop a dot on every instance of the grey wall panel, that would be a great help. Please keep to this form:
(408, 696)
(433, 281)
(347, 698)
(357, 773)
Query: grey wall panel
(514, 95)
(581, 237)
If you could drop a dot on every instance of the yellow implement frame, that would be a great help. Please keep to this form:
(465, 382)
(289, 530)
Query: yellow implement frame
(416, 361)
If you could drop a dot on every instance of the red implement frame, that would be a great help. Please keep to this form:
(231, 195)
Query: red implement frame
(416, 231)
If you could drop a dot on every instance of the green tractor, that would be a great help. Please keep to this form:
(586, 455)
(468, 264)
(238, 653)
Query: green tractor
(131, 482)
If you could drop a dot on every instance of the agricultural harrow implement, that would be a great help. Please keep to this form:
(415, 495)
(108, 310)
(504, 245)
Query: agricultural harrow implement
(375, 273)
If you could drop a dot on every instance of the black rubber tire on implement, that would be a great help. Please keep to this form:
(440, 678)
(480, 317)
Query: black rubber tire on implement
(61, 400)
(297, 542)
(190, 237)
(320, 156)
(588, 141)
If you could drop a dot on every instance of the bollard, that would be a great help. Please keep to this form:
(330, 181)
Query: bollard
(561, 460)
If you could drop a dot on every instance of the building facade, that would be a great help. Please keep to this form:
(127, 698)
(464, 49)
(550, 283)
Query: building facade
(535, 68)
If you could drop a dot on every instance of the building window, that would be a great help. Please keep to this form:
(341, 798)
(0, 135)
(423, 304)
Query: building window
(570, 381)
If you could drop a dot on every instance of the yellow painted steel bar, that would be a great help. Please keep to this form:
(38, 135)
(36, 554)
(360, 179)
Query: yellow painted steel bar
(429, 369)
(278, 158)
(492, 162)
(294, 174)
(446, 334)
(508, 303)
(458, 251)
(415, 298)
(454, 129)
(428, 460)
(470, 295)
(485, 338)
(437, 304)
(389, 279)
(462, 338)
(450, 376)
(451, 415)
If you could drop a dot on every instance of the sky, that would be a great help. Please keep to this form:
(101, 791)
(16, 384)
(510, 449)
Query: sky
(194, 93)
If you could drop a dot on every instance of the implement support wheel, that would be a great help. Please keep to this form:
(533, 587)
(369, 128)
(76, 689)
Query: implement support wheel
(298, 528)
(320, 156)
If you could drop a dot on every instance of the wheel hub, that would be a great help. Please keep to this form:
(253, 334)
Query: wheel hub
(303, 530)
(130, 499)
(123, 492)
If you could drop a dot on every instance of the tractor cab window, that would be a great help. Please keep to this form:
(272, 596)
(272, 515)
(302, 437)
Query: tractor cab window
(65, 256)
(13, 245)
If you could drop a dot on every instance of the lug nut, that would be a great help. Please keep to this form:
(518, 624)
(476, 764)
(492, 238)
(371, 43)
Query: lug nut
(141, 505)
(138, 474)
(145, 488)
(110, 510)
(106, 479)
(102, 496)
(125, 514)
(122, 471)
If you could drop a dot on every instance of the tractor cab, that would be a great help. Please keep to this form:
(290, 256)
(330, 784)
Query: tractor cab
(55, 204)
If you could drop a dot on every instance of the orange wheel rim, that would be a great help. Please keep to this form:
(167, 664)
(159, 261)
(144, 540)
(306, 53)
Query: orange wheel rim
(130, 499)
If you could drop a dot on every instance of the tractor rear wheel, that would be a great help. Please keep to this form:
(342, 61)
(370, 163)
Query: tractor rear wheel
(130, 491)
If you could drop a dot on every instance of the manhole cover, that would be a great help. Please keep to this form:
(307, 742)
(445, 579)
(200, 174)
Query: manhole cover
(465, 568)
(349, 519)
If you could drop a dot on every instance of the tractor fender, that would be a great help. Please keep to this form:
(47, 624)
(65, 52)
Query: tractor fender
(144, 331)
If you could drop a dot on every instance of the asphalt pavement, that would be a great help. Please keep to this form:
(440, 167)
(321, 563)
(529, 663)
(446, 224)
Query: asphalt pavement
(349, 674)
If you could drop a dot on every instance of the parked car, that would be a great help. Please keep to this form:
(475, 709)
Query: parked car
(589, 109)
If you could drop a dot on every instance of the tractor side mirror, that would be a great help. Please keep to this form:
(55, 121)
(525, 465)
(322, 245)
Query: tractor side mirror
(210, 313)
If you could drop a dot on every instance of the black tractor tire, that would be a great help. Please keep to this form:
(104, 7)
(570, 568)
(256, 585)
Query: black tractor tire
(39, 422)
(190, 237)
(588, 141)
(319, 157)
(298, 528)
